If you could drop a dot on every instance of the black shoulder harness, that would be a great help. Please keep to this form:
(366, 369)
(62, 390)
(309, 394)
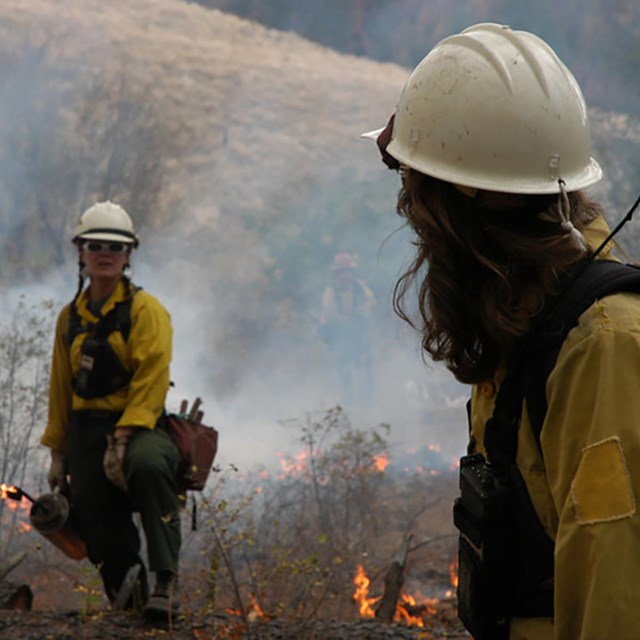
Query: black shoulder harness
(118, 319)
(101, 371)
(527, 379)
(596, 280)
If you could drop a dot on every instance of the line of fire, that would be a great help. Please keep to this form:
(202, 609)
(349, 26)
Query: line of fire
(338, 530)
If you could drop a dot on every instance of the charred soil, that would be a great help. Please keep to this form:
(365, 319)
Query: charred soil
(110, 625)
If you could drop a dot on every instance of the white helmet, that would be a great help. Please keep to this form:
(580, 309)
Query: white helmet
(106, 221)
(495, 109)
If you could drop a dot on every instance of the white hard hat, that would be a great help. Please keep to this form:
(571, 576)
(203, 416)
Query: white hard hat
(343, 261)
(106, 221)
(494, 109)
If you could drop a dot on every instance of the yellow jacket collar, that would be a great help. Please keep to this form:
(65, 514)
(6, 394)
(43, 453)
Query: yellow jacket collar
(595, 233)
(119, 294)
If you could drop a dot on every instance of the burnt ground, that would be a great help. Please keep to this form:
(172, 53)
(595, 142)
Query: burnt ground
(67, 601)
(110, 625)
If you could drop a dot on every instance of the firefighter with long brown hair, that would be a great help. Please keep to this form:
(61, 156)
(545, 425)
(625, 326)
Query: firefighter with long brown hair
(109, 450)
(491, 139)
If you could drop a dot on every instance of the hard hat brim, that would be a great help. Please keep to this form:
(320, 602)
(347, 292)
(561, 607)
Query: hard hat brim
(493, 109)
(106, 236)
(372, 135)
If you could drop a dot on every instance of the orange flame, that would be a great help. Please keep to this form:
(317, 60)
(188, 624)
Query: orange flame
(453, 572)
(409, 610)
(361, 595)
(402, 612)
(295, 466)
(8, 491)
(406, 605)
(13, 496)
(380, 462)
(254, 610)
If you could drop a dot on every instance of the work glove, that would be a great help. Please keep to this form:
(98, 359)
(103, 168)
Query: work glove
(57, 475)
(113, 461)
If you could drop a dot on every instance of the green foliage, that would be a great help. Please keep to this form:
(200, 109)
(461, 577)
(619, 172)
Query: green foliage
(89, 588)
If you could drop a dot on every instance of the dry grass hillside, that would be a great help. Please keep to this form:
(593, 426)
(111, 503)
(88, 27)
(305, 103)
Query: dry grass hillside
(189, 113)
(239, 145)
(237, 150)
(243, 120)
(245, 111)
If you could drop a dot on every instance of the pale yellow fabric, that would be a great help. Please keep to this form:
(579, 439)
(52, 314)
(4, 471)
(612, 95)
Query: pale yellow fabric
(601, 490)
(147, 354)
(585, 492)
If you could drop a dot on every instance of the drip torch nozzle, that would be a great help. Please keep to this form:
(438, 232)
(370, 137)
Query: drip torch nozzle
(11, 492)
(49, 515)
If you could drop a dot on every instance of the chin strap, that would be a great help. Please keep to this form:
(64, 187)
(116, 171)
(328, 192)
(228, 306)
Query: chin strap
(564, 209)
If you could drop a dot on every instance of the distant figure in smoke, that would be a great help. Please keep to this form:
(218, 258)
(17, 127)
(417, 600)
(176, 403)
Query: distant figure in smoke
(109, 448)
(492, 143)
(347, 303)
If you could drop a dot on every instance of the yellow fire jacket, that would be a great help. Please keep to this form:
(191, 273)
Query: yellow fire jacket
(147, 354)
(338, 304)
(585, 484)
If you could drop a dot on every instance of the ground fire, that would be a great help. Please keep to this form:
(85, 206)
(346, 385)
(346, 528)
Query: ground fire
(300, 558)
(411, 610)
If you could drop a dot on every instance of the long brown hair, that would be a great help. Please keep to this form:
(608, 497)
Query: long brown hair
(484, 267)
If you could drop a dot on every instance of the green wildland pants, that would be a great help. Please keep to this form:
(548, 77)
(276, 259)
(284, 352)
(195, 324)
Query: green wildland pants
(103, 514)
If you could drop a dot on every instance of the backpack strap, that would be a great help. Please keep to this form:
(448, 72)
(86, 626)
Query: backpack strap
(594, 280)
(527, 378)
(74, 327)
(118, 319)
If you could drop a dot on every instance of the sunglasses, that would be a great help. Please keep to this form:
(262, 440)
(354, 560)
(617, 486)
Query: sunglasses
(112, 247)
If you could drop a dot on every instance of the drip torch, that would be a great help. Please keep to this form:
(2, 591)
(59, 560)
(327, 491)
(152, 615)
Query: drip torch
(49, 516)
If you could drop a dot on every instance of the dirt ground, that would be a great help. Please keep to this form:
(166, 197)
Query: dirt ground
(68, 602)
(108, 625)
(63, 611)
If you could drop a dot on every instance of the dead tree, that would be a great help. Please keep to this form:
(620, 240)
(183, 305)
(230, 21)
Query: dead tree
(393, 581)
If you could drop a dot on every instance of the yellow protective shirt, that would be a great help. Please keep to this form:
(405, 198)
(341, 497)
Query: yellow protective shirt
(584, 486)
(341, 304)
(147, 354)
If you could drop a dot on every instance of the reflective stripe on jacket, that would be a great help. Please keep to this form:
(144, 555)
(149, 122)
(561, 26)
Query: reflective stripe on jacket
(147, 354)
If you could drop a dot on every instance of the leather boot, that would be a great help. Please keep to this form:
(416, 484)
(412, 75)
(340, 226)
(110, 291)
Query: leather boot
(162, 604)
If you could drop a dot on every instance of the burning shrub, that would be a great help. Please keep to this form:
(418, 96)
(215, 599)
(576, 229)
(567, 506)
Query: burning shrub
(287, 542)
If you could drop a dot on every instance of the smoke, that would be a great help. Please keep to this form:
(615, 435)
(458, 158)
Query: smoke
(242, 197)
(237, 152)
(254, 377)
